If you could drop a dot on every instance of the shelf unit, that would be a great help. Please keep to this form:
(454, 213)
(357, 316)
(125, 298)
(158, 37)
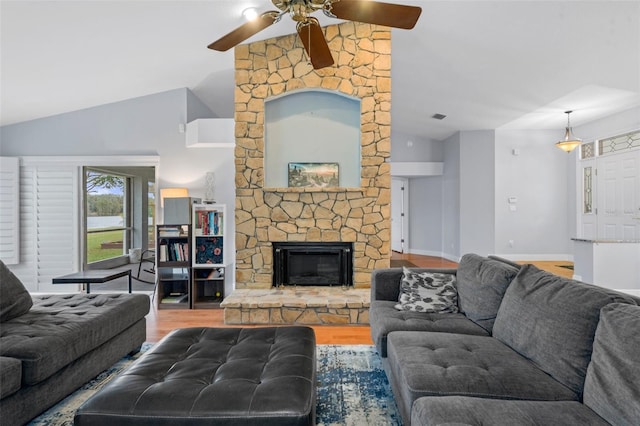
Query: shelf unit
(208, 263)
(174, 266)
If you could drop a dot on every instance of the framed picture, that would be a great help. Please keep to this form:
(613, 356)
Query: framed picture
(313, 175)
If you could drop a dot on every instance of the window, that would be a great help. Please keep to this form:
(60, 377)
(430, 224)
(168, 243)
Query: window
(614, 144)
(587, 185)
(108, 215)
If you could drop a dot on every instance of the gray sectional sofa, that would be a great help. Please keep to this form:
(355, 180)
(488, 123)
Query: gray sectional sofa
(50, 345)
(523, 349)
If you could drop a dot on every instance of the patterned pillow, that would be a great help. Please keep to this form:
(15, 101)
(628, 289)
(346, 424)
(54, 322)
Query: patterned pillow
(427, 292)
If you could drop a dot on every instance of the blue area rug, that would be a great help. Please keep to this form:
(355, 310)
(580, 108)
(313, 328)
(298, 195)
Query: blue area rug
(352, 389)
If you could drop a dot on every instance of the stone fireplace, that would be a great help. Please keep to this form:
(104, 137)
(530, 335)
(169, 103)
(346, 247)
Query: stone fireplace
(356, 215)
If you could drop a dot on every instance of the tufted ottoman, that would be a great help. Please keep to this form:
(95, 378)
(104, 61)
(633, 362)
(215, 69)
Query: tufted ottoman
(214, 376)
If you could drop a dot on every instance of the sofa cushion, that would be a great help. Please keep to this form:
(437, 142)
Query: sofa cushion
(384, 318)
(10, 375)
(440, 364)
(460, 410)
(15, 300)
(61, 328)
(427, 292)
(481, 286)
(552, 320)
(612, 386)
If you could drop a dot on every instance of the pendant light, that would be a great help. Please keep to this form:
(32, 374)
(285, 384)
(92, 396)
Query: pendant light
(570, 142)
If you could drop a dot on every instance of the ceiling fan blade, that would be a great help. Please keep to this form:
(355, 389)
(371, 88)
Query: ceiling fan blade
(370, 12)
(245, 31)
(314, 43)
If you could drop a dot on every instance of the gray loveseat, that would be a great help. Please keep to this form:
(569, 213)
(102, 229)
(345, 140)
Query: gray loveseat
(520, 351)
(50, 345)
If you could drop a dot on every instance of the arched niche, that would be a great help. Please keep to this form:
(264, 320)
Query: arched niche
(312, 126)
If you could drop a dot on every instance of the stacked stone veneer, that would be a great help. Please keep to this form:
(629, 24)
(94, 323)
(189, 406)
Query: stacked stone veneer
(362, 69)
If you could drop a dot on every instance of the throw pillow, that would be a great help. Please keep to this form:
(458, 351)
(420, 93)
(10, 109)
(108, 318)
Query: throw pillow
(15, 300)
(431, 292)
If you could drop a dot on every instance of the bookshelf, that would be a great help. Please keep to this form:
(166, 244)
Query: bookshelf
(208, 260)
(174, 266)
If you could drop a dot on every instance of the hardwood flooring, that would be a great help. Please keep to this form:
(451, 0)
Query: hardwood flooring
(161, 322)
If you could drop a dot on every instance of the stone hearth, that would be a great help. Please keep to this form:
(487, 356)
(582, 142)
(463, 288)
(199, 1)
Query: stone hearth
(298, 305)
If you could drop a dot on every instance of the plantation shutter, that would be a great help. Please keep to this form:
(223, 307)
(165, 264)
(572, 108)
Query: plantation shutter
(57, 211)
(49, 226)
(9, 210)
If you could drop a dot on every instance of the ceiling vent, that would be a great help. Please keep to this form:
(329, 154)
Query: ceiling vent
(439, 116)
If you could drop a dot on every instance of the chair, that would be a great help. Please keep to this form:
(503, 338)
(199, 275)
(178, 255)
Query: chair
(144, 258)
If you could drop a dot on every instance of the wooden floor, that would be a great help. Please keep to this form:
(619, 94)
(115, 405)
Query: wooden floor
(161, 322)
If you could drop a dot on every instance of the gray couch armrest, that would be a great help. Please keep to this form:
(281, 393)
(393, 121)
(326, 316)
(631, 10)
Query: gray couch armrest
(385, 283)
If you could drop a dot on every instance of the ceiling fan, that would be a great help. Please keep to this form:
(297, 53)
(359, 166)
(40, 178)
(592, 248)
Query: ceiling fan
(308, 27)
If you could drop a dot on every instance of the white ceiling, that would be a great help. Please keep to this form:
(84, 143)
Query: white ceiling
(485, 64)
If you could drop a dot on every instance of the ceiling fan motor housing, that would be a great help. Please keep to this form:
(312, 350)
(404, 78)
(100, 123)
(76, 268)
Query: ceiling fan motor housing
(308, 27)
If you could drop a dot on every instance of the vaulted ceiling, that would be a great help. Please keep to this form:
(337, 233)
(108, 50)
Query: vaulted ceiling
(484, 64)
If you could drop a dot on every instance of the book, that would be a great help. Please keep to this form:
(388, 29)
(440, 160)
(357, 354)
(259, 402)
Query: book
(175, 298)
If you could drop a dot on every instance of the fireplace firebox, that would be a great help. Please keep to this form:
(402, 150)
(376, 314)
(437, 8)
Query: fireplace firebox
(313, 263)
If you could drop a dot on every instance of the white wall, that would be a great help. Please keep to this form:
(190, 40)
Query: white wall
(147, 125)
(616, 124)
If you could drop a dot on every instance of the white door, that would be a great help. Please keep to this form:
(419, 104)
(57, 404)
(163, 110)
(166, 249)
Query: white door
(398, 217)
(619, 196)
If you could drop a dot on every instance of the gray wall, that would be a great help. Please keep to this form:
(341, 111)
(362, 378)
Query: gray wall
(451, 198)
(477, 186)
(406, 147)
(312, 126)
(425, 193)
(425, 215)
(538, 177)
(148, 125)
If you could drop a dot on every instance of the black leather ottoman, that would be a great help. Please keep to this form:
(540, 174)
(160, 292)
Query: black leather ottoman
(214, 376)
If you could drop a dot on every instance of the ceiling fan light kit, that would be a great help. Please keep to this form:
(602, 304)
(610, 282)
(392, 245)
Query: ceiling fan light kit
(308, 27)
(250, 14)
(570, 142)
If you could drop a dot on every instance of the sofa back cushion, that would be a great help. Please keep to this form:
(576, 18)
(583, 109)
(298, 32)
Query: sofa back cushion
(552, 320)
(612, 386)
(15, 300)
(481, 286)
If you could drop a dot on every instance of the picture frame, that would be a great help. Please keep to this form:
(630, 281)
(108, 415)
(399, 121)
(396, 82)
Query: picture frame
(313, 175)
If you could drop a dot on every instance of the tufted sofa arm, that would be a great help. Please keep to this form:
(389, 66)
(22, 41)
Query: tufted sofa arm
(385, 283)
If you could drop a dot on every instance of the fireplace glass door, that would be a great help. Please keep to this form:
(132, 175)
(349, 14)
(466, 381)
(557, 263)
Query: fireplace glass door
(317, 264)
